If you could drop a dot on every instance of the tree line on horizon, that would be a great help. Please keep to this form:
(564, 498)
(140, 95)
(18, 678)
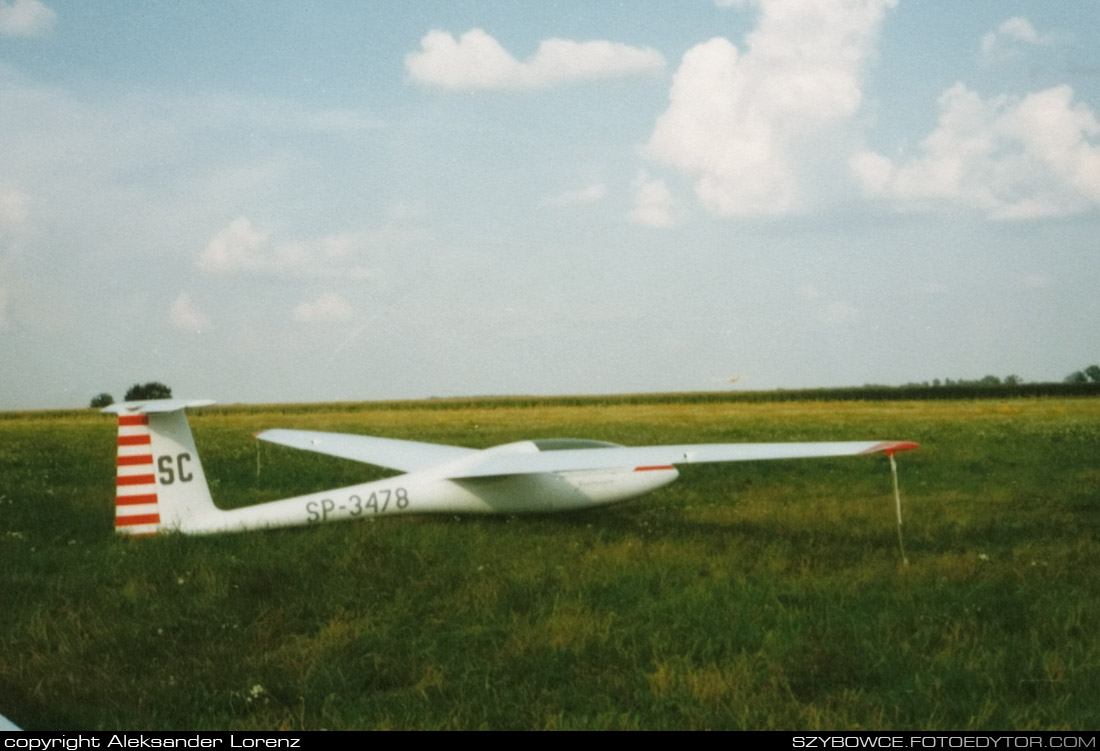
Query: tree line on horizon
(1090, 374)
(1087, 375)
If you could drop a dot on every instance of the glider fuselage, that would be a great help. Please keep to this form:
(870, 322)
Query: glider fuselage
(412, 494)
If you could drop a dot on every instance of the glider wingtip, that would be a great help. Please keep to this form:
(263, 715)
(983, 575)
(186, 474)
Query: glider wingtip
(892, 447)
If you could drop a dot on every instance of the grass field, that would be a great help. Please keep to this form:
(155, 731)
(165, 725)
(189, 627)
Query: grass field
(766, 595)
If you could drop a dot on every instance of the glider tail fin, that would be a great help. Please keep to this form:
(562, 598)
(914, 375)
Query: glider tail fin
(159, 484)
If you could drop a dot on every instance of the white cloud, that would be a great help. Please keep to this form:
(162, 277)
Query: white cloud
(478, 61)
(592, 193)
(653, 203)
(14, 223)
(184, 316)
(241, 247)
(1008, 38)
(328, 308)
(3, 308)
(235, 248)
(1007, 157)
(25, 18)
(14, 210)
(740, 122)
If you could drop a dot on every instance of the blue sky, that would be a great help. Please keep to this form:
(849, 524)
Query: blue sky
(281, 201)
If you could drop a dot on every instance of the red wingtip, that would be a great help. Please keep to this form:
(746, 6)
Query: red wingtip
(892, 447)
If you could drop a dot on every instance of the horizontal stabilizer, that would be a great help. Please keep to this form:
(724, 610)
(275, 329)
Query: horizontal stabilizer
(406, 456)
(155, 406)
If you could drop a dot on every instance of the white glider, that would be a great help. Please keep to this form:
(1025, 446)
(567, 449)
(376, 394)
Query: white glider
(161, 486)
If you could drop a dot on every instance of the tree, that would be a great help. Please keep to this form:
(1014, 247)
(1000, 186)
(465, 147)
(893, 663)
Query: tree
(151, 390)
(1091, 374)
(99, 401)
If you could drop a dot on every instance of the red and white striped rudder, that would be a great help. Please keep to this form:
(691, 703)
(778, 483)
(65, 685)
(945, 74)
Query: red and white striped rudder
(136, 509)
(159, 482)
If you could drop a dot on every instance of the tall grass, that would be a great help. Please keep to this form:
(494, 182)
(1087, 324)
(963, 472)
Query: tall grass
(766, 595)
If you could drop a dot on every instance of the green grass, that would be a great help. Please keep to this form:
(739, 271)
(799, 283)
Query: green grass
(766, 595)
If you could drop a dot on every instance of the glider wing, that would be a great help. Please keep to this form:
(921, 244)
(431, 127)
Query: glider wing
(406, 456)
(569, 460)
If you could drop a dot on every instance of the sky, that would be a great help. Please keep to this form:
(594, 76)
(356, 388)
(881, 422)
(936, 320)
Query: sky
(289, 202)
